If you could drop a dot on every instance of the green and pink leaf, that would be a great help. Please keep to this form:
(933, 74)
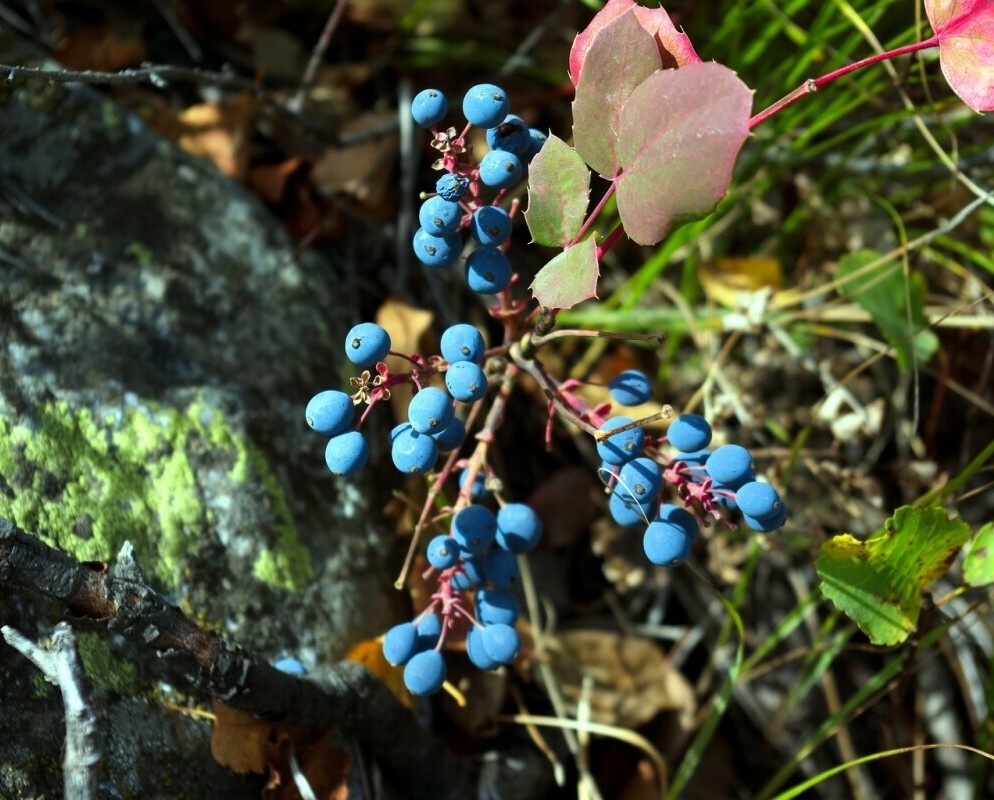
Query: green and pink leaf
(558, 193)
(570, 278)
(965, 29)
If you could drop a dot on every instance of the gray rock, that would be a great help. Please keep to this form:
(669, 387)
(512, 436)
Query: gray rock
(160, 340)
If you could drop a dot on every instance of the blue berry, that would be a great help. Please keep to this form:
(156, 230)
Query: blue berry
(501, 568)
(640, 478)
(501, 642)
(730, 464)
(452, 187)
(425, 673)
(430, 410)
(476, 652)
(398, 429)
(474, 528)
(329, 412)
(429, 628)
(627, 511)
(518, 528)
(500, 169)
(466, 381)
(485, 105)
(511, 135)
(471, 575)
(695, 458)
(679, 516)
(488, 271)
(621, 447)
(439, 216)
(490, 226)
(496, 606)
(451, 436)
(436, 251)
(413, 452)
(346, 453)
(429, 107)
(630, 388)
(537, 139)
(666, 544)
(400, 643)
(443, 552)
(462, 342)
(291, 666)
(479, 490)
(689, 432)
(366, 344)
(758, 500)
(767, 525)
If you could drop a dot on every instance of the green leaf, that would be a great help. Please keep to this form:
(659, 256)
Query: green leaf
(978, 568)
(878, 583)
(882, 292)
(621, 56)
(679, 135)
(558, 193)
(570, 278)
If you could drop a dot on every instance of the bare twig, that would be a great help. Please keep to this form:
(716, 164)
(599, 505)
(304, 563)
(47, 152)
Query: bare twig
(298, 101)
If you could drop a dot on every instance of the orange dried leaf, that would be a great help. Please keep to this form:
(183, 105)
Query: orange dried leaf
(321, 763)
(370, 654)
(220, 132)
(239, 740)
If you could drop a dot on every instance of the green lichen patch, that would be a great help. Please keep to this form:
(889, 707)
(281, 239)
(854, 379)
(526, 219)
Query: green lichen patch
(107, 670)
(86, 482)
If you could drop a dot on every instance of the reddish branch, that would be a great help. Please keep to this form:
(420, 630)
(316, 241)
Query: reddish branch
(350, 698)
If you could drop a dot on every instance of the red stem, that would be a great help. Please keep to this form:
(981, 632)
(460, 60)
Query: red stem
(610, 241)
(812, 85)
(594, 214)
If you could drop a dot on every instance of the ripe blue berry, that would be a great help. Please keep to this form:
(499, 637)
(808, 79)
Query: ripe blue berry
(400, 643)
(291, 666)
(436, 251)
(329, 412)
(462, 342)
(430, 410)
(474, 528)
(452, 187)
(443, 552)
(640, 478)
(630, 388)
(730, 464)
(501, 568)
(438, 216)
(679, 516)
(689, 432)
(485, 105)
(477, 654)
(490, 226)
(501, 642)
(479, 490)
(666, 544)
(695, 458)
(488, 271)
(758, 500)
(366, 344)
(537, 139)
(623, 446)
(429, 107)
(627, 511)
(451, 436)
(511, 135)
(429, 628)
(413, 452)
(346, 453)
(466, 381)
(425, 673)
(767, 525)
(500, 169)
(518, 528)
(496, 606)
(470, 576)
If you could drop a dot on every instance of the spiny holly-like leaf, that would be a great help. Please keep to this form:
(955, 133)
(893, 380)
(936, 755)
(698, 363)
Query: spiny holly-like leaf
(570, 278)
(878, 583)
(558, 189)
(679, 136)
(621, 56)
(674, 47)
(883, 293)
(978, 568)
(966, 48)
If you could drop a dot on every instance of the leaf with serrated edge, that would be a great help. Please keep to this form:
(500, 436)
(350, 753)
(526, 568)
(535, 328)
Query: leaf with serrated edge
(570, 278)
(978, 567)
(558, 192)
(878, 583)
(622, 55)
(966, 48)
(679, 136)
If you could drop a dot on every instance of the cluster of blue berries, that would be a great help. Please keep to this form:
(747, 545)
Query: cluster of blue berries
(477, 555)
(456, 205)
(705, 480)
(432, 425)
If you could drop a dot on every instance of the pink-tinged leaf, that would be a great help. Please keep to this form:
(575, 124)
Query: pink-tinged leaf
(674, 47)
(680, 134)
(621, 56)
(570, 278)
(558, 191)
(966, 48)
